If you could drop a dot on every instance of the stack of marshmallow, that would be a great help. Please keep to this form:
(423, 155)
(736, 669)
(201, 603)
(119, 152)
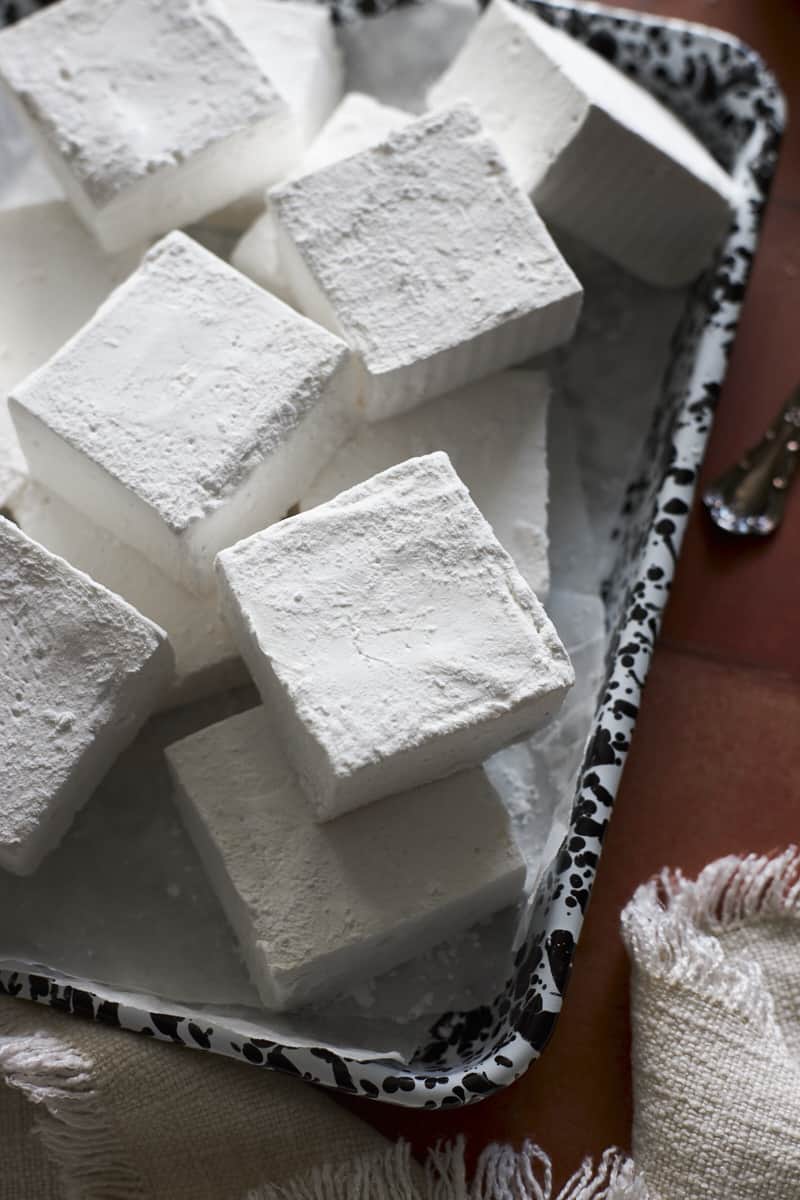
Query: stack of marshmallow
(398, 274)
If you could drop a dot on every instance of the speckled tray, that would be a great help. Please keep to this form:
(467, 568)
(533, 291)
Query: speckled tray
(723, 91)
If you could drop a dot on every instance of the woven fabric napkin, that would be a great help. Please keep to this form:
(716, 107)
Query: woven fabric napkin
(715, 992)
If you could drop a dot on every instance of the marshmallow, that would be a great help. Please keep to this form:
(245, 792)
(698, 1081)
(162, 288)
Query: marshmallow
(357, 123)
(318, 907)
(54, 275)
(149, 114)
(495, 434)
(206, 659)
(192, 410)
(392, 636)
(295, 45)
(423, 254)
(80, 671)
(598, 154)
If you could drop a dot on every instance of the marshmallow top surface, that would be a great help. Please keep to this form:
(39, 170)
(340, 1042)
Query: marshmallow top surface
(423, 241)
(392, 614)
(311, 890)
(68, 650)
(495, 434)
(184, 381)
(124, 88)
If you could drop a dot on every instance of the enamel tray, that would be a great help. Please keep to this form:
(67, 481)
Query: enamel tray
(726, 95)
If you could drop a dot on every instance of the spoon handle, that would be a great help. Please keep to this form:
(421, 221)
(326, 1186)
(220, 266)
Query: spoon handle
(751, 496)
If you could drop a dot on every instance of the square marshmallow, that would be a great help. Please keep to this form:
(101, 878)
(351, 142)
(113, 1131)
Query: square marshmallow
(598, 154)
(423, 254)
(53, 277)
(358, 122)
(150, 114)
(192, 410)
(320, 907)
(206, 657)
(391, 635)
(495, 434)
(80, 672)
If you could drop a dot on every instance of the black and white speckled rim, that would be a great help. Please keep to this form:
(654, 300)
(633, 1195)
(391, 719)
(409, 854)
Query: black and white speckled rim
(722, 89)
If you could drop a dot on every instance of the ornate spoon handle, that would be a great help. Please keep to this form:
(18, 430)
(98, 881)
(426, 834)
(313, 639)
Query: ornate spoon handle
(751, 496)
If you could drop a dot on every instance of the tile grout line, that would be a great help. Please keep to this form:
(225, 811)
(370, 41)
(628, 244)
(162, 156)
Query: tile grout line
(718, 659)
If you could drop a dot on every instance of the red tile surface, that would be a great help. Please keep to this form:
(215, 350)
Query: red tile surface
(715, 764)
(734, 599)
(714, 770)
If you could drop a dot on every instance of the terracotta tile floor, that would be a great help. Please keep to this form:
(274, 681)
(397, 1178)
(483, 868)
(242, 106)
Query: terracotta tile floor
(715, 766)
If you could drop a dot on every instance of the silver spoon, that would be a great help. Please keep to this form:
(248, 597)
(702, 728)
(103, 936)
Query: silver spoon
(750, 497)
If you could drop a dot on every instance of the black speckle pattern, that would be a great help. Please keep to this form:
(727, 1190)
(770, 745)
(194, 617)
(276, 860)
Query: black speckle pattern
(167, 1026)
(722, 90)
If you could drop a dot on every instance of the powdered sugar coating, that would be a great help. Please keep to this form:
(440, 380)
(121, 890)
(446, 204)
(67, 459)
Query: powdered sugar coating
(206, 658)
(189, 412)
(316, 907)
(598, 154)
(358, 122)
(426, 257)
(495, 434)
(391, 635)
(131, 102)
(80, 671)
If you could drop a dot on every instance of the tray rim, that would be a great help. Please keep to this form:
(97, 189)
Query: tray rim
(465, 1084)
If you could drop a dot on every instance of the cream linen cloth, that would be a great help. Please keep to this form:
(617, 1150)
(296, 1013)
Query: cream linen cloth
(715, 997)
